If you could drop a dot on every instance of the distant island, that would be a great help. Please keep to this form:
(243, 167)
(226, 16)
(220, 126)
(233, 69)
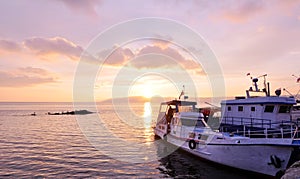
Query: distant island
(77, 112)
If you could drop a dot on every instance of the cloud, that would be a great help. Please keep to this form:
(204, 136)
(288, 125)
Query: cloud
(159, 61)
(169, 52)
(9, 46)
(34, 71)
(289, 6)
(43, 47)
(239, 11)
(158, 55)
(118, 57)
(23, 77)
(87, 7)
(151, 61)
(56, 45)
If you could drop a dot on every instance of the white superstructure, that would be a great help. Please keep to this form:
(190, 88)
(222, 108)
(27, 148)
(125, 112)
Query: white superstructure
(256, 133)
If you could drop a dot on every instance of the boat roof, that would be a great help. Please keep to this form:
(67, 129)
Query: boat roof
(261, 100)
(180, 103)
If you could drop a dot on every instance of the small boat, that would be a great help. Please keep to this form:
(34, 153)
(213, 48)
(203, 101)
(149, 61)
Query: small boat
(260, 143)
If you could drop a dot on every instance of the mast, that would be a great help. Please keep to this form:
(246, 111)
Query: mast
(183, 93)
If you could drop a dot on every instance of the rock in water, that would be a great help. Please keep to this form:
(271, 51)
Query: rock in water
(293, 172)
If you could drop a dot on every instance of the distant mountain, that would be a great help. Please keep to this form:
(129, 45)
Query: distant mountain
(133, 99)
(207, 101)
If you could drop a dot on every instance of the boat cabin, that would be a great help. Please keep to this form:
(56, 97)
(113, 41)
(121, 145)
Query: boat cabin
(168, 110)
(183, 119)
(272, 107)
(258, 110)
(170, 107)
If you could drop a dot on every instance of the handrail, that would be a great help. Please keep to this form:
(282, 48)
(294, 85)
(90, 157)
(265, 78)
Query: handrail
(253, 122)
(288, 129)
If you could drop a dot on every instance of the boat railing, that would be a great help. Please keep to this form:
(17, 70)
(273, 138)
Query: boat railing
(252, 122)
(286, 129)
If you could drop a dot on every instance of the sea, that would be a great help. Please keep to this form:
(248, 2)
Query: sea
(115, 141)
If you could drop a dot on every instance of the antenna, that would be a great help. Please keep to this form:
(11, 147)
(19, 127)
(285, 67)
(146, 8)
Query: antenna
(266, 88)
(264, 76)
(287, 92)
(182, 92)
(298, 78)
(297, 94)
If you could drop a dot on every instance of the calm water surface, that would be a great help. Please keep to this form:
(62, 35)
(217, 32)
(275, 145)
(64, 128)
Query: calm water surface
(46, 146)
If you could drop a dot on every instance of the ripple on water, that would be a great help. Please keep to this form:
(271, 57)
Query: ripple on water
(46, 146)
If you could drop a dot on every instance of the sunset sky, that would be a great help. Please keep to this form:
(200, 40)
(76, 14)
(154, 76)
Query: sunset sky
(41, 43)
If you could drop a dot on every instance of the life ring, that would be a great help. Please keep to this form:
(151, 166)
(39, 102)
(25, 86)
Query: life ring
(192, 144)
(275, 161)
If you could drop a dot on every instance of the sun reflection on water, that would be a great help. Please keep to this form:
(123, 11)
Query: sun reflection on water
(147, 116)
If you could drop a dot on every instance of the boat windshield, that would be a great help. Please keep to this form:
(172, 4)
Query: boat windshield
(185, 109)
(163, 108)
(192, 122)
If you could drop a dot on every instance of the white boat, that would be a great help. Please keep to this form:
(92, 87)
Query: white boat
(261, 143)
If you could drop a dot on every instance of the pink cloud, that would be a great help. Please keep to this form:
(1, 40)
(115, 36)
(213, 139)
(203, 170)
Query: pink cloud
(82, 6)
(56, 45)
(169, 52)
(23, 77)
(239, 11)
(157, 55)
(119, 56)
(34, 71)
(151, 61)
(289, 5)
(9, 46)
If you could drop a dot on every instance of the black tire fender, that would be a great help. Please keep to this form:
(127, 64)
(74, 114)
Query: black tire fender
(192, 144)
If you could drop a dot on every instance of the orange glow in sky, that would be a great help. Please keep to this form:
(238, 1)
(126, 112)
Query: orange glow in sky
(40, 50)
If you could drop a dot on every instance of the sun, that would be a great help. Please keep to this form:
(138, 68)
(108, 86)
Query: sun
(142, 89)
(147, 91)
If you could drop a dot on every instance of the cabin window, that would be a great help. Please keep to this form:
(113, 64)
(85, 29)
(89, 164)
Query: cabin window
(269, 108)
(240, 108)
(163, 108)
(200, 123)
(252, 108)
(185, 108)
(229, 108)
(192, 122)
(188, 122)
(284, 109)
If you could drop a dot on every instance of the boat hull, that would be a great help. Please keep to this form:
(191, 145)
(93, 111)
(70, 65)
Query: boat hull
(160, 133)
(268, 159)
